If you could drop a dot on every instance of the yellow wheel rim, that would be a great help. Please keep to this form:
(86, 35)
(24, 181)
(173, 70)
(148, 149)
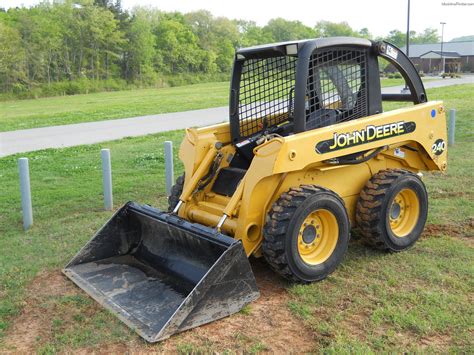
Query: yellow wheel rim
(404, 213)
(317, 237)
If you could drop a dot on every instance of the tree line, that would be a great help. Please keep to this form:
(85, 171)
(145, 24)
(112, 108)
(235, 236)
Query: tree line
(71, 46)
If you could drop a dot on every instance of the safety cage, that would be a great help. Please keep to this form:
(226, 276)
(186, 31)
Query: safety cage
(293, 87)
(265, 93)
(336, 87)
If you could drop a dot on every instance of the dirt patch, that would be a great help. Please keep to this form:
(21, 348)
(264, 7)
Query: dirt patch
(463, 230)
(265, 325)
(33, 325)
(438, 341)
(449, 194)
(269, 324)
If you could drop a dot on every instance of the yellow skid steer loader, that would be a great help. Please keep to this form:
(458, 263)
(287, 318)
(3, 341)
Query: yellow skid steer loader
(308, 153)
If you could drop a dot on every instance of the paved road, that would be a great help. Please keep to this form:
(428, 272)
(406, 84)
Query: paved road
(430, 84)
(94, 132)
(28, 140)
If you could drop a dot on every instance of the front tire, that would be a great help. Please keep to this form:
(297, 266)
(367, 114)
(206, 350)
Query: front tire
(175, 194)
(306, 234)
(392, 209)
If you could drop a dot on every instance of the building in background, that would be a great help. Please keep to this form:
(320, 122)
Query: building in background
(458, 57)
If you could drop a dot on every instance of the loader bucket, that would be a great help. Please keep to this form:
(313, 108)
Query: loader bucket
(161, 274)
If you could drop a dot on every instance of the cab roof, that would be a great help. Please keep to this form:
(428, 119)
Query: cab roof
(293, 47)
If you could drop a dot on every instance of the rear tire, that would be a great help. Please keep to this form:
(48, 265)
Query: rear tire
(392, 209)
(306, 234)
(176, 192)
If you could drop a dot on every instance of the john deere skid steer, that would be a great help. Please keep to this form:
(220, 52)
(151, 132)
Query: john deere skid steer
(308, 153)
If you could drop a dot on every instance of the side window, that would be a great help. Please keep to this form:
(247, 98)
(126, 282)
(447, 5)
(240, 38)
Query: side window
(391, 80)
(336, 88)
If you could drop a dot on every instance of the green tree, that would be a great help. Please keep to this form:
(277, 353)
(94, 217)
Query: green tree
(333, 29)
(139, 50)
(364, 33)
(12, 71)
(429, 35)
(396, 37)
(252, 35)
(219, 36)
(280, 30)
(178, 48)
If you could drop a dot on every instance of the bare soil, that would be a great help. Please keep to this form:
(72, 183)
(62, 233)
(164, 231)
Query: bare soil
(266, 325)
(464, 231)
(34, 322)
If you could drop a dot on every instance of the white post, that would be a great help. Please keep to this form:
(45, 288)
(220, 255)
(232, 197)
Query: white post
(169, 167)
(25, 190)
(452, 126)
(107, 179)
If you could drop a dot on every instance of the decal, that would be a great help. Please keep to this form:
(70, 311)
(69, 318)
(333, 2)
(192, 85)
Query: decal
(368, 134)
(433, 113)
(241, 144)
(399, 153)
(392, 52)
(438, 147)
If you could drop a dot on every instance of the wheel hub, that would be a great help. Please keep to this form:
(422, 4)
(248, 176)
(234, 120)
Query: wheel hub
(309, 234)
(403, 213)
(317, 237)
(395, 210)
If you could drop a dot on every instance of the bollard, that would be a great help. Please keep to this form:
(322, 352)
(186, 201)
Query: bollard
(452, 126)
(25, 191)
(107, 179)
(169, 168)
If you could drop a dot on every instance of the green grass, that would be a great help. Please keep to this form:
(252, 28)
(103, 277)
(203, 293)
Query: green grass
(61, 110)
(419, 300)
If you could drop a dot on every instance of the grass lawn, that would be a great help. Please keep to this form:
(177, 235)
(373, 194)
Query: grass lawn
(23, 114)
(60, 110)
(419, 300)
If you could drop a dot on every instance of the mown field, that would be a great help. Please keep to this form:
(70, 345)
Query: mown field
(60, 110)
(419, 300)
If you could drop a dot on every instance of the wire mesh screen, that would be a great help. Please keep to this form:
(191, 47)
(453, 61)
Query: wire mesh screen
(336, 88)
(266, 93)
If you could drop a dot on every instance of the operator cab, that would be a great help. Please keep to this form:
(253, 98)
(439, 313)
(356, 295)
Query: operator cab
(291, 87)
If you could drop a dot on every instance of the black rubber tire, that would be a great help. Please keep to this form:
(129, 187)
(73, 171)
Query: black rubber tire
(280, 243)
(176, 191)
(373, 208)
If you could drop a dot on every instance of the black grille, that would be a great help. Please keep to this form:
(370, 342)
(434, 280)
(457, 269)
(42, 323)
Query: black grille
(266, 93)
(336, 88)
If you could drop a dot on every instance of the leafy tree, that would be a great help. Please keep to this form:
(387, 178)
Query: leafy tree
(331, 29)
(364, 33)
(252, 35)
(429, 35)
(139, 49)
(12, 71)
(201, 23)
(84, 41)
(178, 47)
(396, 37)
(280, 30)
